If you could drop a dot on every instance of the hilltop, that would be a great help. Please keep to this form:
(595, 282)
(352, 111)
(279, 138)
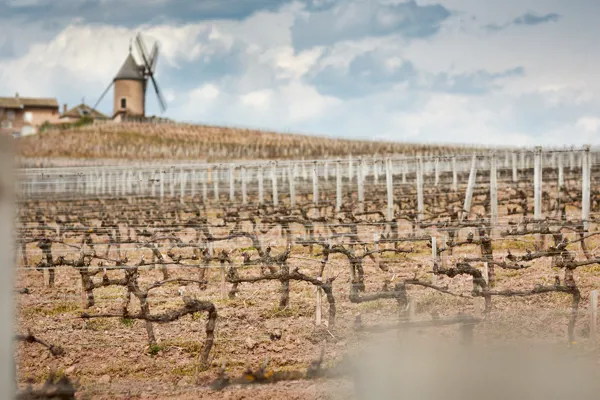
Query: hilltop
(146, 142)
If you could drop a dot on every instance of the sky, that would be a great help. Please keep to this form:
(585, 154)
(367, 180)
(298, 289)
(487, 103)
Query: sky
(518, 72)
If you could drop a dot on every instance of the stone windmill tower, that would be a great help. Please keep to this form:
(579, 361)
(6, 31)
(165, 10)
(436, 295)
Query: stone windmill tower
(131, 81)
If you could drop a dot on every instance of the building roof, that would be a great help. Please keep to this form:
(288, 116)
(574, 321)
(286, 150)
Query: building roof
(22, 102)
(83, 110)
(130, 70)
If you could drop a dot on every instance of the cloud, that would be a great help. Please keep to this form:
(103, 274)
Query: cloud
(362, 74)
(357, 19)
(367, 73)
(132, 13)
(37, 20)
(528, 19)
(532, 19)
(473, 83)
(388, 69)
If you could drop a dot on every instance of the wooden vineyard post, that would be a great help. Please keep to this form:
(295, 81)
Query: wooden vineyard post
(338, 185)
(193, 179)
(470, 187)
(404, 171)
(216, 184)
(292, 183)
(102, 188)
(585, 188)
(153, 184)
(523, 166)
(454, 175)
(390, 189)
(127, 181)
(171, 183)
(261, 189)
(360, 183)
(274, 184)
(205, 176)
(108, 184)
(593, 316)
(162, 186)
(182, 185)
(537, 193)
(420, 206)
(515, 176)
(304, 172)
(350, 170)
(537, 184)
(375, 172)
(493, 191)
(437, 171)
(315, 184)
(7, 213)
(244, 183)
(232, 183)
(140, 185)
(571, 161)
(561, 174)
(376, 248)
(434, 258)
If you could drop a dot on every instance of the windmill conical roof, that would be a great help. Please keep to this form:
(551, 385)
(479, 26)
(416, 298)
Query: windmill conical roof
(130, 70)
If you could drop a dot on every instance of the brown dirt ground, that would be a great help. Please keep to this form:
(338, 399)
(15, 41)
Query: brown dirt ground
(119, 349)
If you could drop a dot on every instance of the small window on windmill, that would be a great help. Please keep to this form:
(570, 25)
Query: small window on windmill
(123, 102)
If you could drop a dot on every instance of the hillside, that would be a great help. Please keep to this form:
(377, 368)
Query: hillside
(197, 142)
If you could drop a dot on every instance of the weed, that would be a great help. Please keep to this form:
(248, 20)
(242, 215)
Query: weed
(128, 322)
(155, 349)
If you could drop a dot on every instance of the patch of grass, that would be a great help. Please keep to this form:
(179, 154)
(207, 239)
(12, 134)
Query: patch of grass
(154, 349)
(591, 269)
(185, 370)
(63, 308)
(58, 309)
(289, 311)
(189, 346)
(512, 245)
(98, 324)
(507, 274)
(375, 305)
(247, 248)
(128, 322)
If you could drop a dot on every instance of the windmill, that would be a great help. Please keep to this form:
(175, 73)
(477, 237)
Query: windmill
(131, 81)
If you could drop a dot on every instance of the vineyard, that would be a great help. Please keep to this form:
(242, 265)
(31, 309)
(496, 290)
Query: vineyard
(183, 280)
(118, 143)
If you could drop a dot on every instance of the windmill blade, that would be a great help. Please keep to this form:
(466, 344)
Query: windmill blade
(102, 96)
(154, 57)
(161, 99)
(141, 46)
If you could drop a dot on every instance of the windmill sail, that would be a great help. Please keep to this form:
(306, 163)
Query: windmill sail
(149, 64)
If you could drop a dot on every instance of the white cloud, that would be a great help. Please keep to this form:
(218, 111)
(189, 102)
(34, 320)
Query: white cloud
(205, 92)
(247, 72)
(588, 124)
(258, 99)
